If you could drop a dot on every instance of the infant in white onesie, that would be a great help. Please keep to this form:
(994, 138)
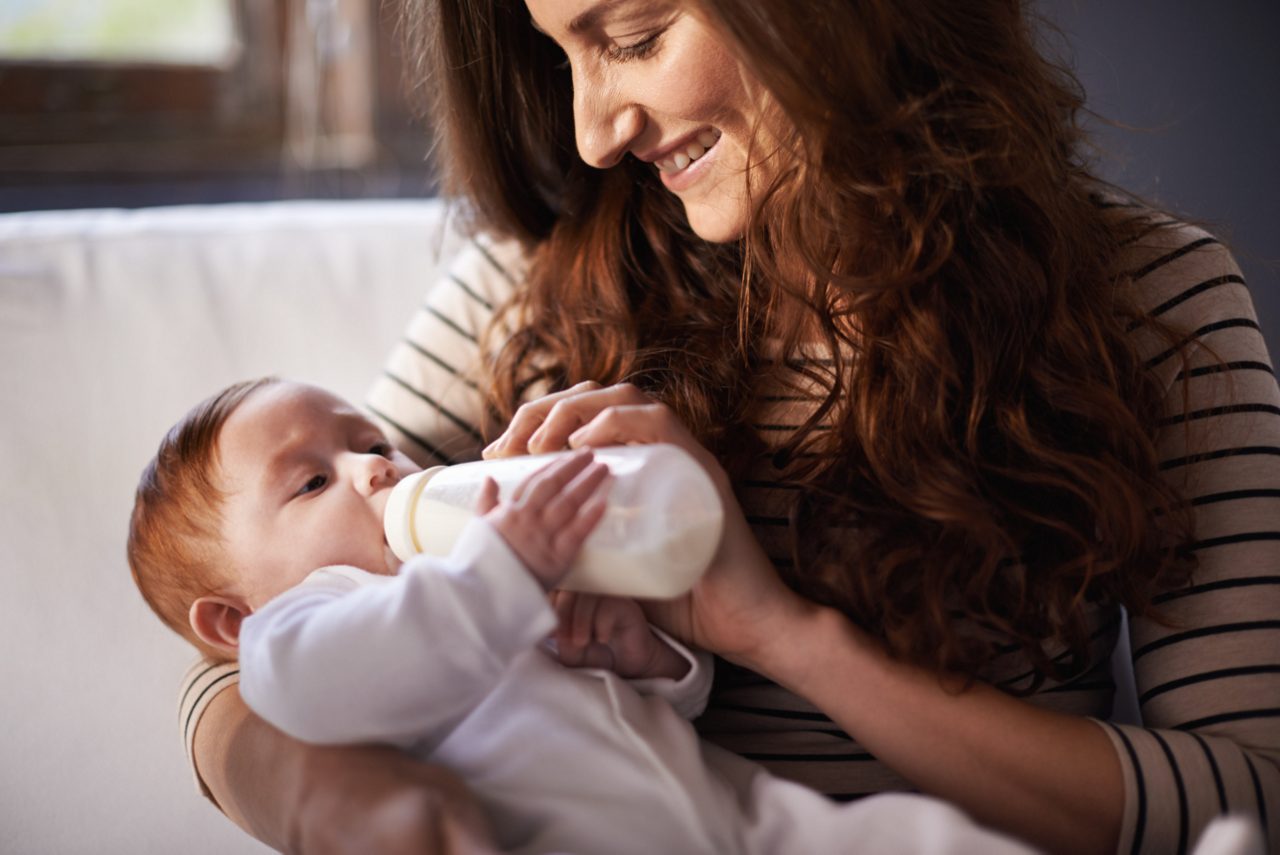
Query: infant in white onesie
(449, 658)
(445, 660)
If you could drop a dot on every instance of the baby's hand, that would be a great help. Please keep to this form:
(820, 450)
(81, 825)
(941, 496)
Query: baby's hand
(549, 514)
(611, 633)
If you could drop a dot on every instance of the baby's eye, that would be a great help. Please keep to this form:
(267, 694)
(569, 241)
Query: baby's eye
(317, 482)
(382, 449)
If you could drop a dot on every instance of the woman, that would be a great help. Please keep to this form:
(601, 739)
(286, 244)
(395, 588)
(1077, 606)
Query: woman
(963, 404)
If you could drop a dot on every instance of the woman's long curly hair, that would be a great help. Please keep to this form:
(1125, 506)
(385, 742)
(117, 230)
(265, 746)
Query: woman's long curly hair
(982, 442)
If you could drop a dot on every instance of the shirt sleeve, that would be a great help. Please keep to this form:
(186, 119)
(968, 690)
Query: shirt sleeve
(429, 397)
(200, 685)
(1207, 664)
(349, 657)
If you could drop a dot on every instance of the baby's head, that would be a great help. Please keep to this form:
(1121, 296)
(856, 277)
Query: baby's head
(253, 489)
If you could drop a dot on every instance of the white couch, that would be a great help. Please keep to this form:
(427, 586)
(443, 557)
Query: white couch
(112, 324)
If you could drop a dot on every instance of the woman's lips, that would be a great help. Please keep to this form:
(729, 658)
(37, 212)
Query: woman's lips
(688, 152)
(680, 169)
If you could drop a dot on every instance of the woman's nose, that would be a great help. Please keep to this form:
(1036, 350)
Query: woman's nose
(605, 122)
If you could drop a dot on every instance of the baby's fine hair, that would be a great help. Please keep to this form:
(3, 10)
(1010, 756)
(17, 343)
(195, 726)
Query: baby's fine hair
(175, 543)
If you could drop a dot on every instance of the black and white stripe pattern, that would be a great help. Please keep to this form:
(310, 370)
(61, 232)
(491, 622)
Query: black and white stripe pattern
(200, 685)
(1209, 685)
(428, 398)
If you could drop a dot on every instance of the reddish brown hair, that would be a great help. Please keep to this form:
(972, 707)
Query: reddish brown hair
(992, 423)
(174, 545)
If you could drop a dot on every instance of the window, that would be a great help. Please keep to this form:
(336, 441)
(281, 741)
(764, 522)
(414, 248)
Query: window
(184, 32)
(151, 101)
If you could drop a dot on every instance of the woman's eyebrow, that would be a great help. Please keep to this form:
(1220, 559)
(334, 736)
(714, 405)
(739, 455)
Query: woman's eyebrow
(591, 16)
(587, 19)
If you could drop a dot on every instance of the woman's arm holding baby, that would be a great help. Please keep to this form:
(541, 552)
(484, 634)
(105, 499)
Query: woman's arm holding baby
(317, 800)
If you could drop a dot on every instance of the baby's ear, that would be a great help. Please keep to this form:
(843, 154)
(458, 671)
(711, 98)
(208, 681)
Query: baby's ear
(216, 622)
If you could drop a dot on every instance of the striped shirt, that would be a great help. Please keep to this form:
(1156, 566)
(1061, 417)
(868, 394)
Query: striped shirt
(1208, 682)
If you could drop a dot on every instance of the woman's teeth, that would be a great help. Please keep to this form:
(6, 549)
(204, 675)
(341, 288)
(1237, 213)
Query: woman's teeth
(689, 153)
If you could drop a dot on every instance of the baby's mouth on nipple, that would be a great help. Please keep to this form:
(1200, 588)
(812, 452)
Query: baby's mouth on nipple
(689, 153)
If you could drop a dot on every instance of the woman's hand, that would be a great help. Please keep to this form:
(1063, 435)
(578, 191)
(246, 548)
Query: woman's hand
(740, 605)
(317, 800)
(379, 799)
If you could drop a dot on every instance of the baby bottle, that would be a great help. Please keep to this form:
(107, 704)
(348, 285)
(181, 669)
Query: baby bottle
(659, 532)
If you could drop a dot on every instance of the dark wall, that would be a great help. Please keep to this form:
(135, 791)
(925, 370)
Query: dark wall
(1196, 84)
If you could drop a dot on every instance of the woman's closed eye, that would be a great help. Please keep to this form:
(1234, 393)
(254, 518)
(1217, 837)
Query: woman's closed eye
(635, 50)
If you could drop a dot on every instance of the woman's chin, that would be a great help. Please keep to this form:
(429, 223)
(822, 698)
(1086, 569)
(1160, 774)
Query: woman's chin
(713, 224)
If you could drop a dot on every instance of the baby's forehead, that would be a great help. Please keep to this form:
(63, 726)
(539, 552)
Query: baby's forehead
(288, 402)
(279, 416)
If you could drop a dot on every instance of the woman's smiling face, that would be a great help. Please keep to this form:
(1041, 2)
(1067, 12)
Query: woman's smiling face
(654, 80)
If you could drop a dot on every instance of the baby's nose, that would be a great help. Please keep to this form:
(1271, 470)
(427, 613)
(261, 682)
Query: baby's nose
(375, 472)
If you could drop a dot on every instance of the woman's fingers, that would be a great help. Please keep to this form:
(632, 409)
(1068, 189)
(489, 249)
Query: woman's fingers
(630, 424)
(545, 424)
(646, 423)
(528, 418)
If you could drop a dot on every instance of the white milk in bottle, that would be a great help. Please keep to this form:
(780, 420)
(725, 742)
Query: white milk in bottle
(659, 532)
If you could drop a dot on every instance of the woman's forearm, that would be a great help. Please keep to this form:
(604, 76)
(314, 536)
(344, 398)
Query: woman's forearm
(1050, 778)
(302, 798)
(233, 751)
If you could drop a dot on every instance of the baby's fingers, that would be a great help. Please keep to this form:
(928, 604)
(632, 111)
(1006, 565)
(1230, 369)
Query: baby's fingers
(488, 498)
(584, 618)
(561, 508)
(569, 537)
(550, 480)
(571, 652)
(575, 614)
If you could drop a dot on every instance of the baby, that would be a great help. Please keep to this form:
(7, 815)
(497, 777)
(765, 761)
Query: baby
(257, 534)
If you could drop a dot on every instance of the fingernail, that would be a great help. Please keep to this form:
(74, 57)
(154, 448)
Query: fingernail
(575, 437)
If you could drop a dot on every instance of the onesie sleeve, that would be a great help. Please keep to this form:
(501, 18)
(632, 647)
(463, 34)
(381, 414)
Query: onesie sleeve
(1207, 664)
(350, 657)
(429, 396)
(689, 694)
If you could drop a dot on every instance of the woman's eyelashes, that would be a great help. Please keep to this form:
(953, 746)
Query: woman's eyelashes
(636, 50)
